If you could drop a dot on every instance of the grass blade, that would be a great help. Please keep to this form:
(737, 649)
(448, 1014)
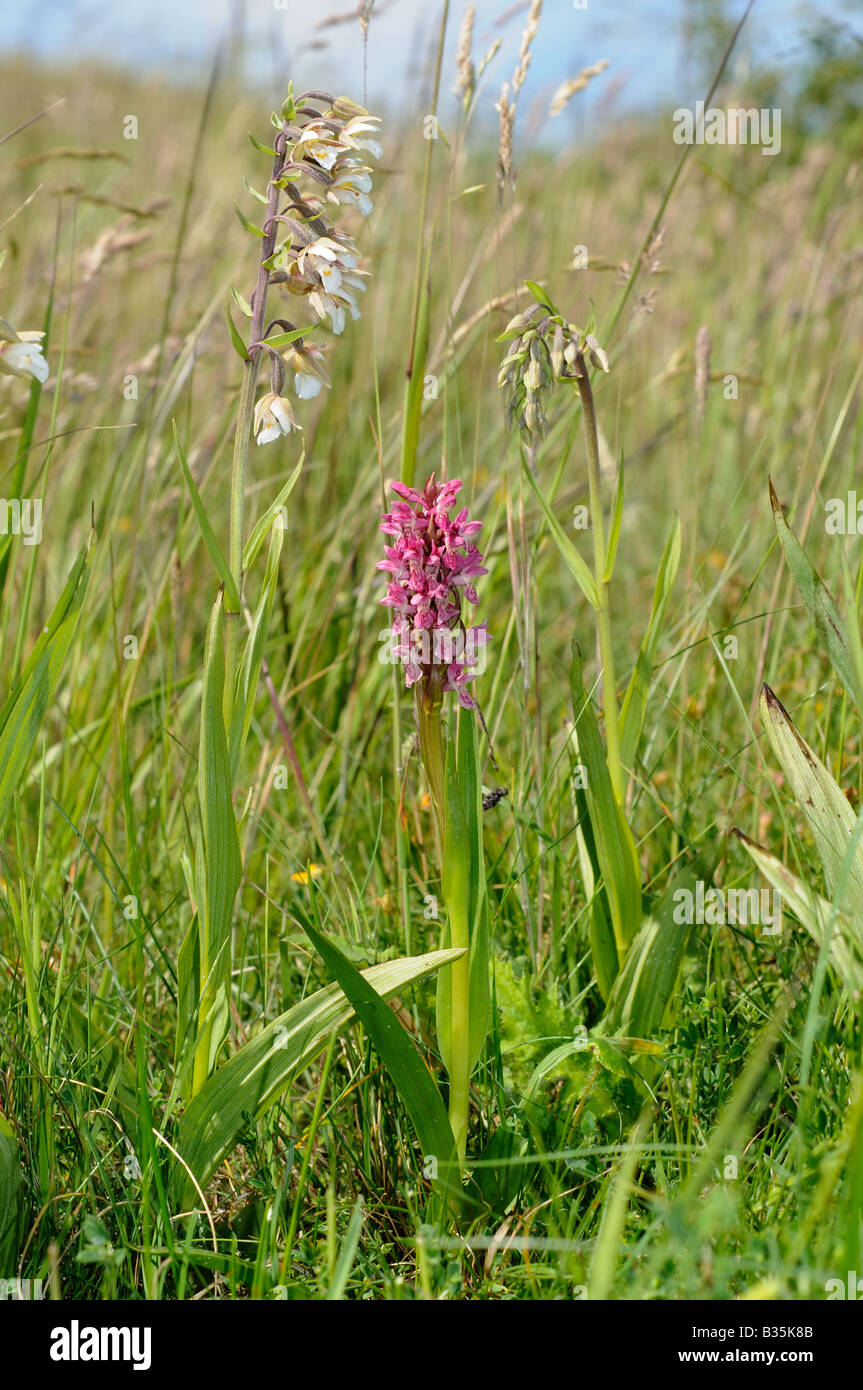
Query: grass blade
(261, 1071)
(645, 986)
(27, 703)
(820, 604)
(615, 847)
(635, 701)
(578, 568)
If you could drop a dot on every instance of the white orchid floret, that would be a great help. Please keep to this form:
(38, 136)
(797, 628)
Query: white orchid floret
(331, 250)
(360, 133)
(326, 307)
(354, 281)
(319, 143)
(274, 415)
(345, 242)
(21, 355)
(309, 367)
(328, 260)
(333, 306)
(353, 185)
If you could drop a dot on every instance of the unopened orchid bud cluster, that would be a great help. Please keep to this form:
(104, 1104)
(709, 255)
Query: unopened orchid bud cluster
(544, 348)
(21, 353)
(321, 150)
(431, 567)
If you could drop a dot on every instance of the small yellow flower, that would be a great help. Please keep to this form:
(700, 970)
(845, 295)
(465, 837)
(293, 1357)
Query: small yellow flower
(313, 871)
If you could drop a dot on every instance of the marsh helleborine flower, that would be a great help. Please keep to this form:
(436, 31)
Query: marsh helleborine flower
(432, 565)
(21, 353)
(309, 366)
(274, 415)
(318, 261)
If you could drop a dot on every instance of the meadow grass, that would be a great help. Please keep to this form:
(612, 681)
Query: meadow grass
(728, 1163)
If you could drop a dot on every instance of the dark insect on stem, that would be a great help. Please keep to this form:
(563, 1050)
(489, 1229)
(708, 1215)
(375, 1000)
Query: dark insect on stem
(494, 797)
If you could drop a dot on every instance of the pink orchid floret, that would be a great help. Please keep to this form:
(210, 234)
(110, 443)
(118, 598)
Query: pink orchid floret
(431, 567)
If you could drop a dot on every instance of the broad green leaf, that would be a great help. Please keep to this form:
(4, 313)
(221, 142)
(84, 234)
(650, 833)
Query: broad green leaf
(577, 567)
(470, 779)
(635, 701)
(827, 812)
(603, 950)
(256, 1076)
(27, 703)
(820, 605)
(615, 847)
(12, 1200)
(218, 865)
(816, 914)
(646, 984)
(410, 1075)
(603, 947)
(217, 555)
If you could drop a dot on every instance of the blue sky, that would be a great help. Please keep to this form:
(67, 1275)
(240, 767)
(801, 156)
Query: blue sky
(644, 41)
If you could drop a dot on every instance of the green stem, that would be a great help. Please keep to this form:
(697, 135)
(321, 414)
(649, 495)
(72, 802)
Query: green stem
(401, 835)
(429, 702)
(243, 435)
(459, 1080)
(242, 439)
(603, 609)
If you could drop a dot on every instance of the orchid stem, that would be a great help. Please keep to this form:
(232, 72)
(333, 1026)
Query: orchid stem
(603, 607)
(434, 760)
(243, 435)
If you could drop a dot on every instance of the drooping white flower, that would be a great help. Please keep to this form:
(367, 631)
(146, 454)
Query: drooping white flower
(318, 142)
(358, 131)
(23, 356)
(352, 185)
(309, 367)
(333, 306)
(307, 387)
(274, 415)
(326, 258)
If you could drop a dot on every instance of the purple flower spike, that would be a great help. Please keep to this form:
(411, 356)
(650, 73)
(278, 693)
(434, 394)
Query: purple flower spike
(430, 569)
